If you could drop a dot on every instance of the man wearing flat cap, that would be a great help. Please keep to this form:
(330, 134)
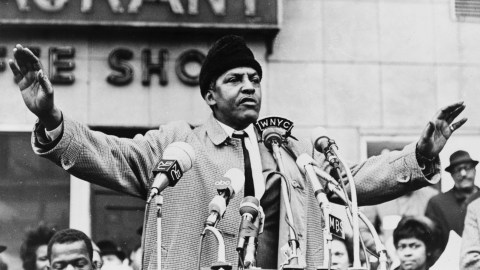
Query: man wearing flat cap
(449, 209)
(230, 84)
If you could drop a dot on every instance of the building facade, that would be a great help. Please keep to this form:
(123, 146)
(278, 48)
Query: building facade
(369, 71)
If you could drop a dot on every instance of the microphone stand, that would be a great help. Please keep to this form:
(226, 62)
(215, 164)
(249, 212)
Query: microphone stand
(380, 248)
(306, 163)
(221, 263)
(354, 205)
(159, 202)
(250, 260)
(293, 260)
(210, 225)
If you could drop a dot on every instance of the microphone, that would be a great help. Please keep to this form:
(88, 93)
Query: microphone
(272, 135)
(231, 183)
(323, 144)
(177, 158)
(304, 163)
(251, 249)
(249, 212)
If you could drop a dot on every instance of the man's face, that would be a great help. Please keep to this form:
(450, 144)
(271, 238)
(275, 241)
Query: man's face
(464, 176)
(236, 98)
(41, 262)
(70, 256)
(412, 254)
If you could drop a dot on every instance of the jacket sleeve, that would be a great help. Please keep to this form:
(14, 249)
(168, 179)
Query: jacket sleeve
(388, 176)
(116, 163)
(470, 252)
(379, 178)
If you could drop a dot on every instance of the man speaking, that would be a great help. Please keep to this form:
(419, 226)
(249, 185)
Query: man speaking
(230, 84)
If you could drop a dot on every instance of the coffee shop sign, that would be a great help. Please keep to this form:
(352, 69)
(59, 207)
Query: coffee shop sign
(61, 65)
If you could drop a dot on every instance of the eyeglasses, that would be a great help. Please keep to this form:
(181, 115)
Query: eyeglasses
(467, 167)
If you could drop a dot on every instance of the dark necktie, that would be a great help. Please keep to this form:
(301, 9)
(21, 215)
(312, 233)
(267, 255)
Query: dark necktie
(249, 188)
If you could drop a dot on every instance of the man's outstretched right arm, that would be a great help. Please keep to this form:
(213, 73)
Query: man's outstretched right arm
(119, 164)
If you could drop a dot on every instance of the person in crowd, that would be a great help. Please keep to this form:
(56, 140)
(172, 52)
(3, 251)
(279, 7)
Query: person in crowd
(136, 253)
(3, 265)
(97, 257)
(470, 251)
(112, 255)
(230, 84)
(449, 209)
(136, 258)
(72, 248)
(417, 241)
(385, 216)
(33, 250)
(342, 252)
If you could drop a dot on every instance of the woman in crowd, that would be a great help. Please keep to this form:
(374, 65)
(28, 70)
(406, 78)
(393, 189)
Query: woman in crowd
(342, 252)
(33, 251)
(416, 240)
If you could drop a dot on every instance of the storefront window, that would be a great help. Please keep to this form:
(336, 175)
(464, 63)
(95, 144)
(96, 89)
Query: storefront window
(32, 191)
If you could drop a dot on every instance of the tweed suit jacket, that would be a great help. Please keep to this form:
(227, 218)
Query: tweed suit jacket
(470, 252)
(126, 165)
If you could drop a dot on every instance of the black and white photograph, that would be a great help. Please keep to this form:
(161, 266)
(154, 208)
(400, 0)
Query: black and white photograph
(239, 134)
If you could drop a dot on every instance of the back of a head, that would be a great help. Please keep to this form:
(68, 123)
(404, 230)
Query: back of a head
(108, 247)
(70, 236)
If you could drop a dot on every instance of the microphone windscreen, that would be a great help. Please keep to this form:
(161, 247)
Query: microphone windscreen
(249, 205)
(320, 139)
(272, 132)
(318, 133)
(218, 204)
(182, 152)
(237, 179)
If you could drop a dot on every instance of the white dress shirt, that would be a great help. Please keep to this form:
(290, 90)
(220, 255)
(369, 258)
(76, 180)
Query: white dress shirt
(252, 147)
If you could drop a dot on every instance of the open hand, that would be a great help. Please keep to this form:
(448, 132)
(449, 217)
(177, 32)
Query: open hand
(439, 129)
(36, 89)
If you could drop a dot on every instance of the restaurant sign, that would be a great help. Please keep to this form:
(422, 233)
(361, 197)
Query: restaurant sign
(195, 14)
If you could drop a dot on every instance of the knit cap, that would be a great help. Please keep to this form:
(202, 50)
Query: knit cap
(226, 53)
